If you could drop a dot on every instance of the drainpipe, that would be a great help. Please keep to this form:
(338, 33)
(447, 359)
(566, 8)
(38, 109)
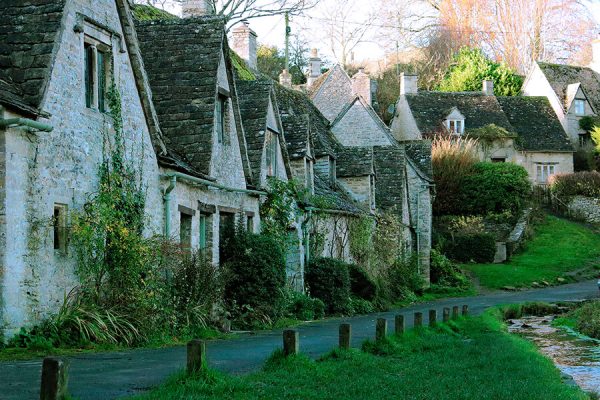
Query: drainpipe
(167, 200)
(25, 122)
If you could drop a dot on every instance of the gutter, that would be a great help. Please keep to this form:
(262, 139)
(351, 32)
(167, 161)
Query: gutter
(25, 122)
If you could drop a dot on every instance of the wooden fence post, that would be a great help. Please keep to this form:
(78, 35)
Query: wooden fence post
(465, 310)
(446, 314)
(455, 312)
(399, 324)
(381, 329)
(345, 336)
(418, 320)
(432, 318)
(291, 342)
(55, 376)
(196, 355)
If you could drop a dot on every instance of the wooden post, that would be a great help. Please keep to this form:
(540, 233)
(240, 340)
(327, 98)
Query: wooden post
(381, 329)
(446, 314)
(54, 379)
(196, 355)
(418, 320)
(432, 318)
(291, 342)
(455, 312)
(345, 336)
(465, 310)
(399, 324)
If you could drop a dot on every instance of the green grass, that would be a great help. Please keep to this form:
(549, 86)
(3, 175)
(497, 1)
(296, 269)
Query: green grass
(473, 358)
(558, 247)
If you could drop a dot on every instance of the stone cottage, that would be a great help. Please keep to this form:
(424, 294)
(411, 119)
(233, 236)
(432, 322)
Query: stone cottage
(181, 124)
(573, 92)
(522, 130)
(397, 182)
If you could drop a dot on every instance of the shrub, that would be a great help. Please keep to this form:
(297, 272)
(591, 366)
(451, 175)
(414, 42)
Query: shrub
(495, 187)
(480, 248)
(305, 308)
(329, 280)
(588, 319)
(585, 183)
(445, 273)
(403, 279)
(361, 285)
(452, 160)
(361, 306)
(256, 276)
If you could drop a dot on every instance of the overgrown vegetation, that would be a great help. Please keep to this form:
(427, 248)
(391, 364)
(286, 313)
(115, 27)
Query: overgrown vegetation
(558, 249)
(465, 359)
(585, 183)
(585, 318)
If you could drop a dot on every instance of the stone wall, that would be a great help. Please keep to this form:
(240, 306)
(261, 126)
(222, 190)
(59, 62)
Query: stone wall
(585, 208)
(420, 201)
(359, 128)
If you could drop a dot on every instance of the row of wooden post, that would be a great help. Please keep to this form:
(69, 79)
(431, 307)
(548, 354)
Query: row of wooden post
(55, 371)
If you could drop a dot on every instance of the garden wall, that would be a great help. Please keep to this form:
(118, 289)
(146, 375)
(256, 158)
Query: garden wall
(585, 208)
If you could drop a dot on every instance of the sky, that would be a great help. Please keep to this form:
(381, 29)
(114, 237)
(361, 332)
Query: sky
(271, 30)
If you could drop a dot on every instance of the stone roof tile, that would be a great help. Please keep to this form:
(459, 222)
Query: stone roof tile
(561, 76)
(355, 161)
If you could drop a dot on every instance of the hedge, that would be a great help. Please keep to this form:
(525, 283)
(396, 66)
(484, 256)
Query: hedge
(479, 247)
(329, 280)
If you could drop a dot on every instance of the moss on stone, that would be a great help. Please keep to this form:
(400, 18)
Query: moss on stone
(244, 72)
(143, 12)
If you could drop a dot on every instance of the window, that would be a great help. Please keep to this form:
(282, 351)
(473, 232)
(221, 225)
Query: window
(97, 63)
(579, 107)
(202, 232)
(332, 171)
(250, 223)
(584, 139)
(544, 171)
(226, 232)
(455, 126)
(185, 230)
(498, 159)
(271, 149)
(220, 118)
(59, 225)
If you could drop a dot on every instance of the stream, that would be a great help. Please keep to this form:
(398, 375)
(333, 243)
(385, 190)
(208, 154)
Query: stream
(575, 355)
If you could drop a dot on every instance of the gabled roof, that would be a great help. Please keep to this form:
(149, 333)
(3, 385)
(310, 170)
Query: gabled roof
(430, 109)
(561, 76)
(370, 111)
(536, 123)
(182, 58)
(297, 135)
(332, 93)
(29, 33)
(293, 103)
(255, 98)
(418, 152)
(355, 161)
(390, 175)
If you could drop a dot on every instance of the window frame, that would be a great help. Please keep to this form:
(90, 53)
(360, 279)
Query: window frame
(60, 227)
(544, 171)
(579, 107)
(272, 161)
(97, 71)
(455, 126)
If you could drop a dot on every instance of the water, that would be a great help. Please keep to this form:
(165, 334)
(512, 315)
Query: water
(575, 355)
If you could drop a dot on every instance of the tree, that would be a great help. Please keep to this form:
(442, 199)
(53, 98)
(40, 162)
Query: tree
(271, 61)
(236, 10)
(470, 67)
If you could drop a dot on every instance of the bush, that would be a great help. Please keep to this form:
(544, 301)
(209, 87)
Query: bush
(445, 273)
(452, 160)
(402, 280)
(585, 183)
(256, 277)
(329, 280)
(494, 188)
(480, 248)
(305, 308)
(361, 284)
(361, 306)
(588, 319)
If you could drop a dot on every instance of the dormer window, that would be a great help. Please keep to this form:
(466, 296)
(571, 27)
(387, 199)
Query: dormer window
(455, 126)
(579, 107)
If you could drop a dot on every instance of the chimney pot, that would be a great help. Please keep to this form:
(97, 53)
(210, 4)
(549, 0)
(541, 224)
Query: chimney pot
(361, 85)
(314, 67)
(285, 79)
(408, 84)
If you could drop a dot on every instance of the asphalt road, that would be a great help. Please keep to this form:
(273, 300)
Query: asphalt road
(119, 374)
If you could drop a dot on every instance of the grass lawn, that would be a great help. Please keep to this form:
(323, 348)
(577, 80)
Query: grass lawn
(558, 247)
(473, 358)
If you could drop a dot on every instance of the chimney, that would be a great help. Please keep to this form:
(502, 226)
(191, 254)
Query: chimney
(285, 79)
(408, 84)
(315, 67)
(197, 8)
(595, 65)
(244, 43)
(361, 85)
(488, 87)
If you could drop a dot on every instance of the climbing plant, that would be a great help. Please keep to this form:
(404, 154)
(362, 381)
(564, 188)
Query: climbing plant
(280, 211)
